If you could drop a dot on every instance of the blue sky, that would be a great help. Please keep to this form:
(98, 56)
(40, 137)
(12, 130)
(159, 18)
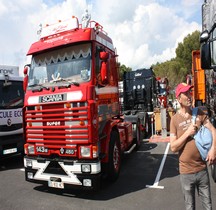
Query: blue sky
(143, 31)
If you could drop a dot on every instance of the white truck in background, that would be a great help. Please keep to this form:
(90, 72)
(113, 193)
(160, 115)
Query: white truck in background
(11, 103)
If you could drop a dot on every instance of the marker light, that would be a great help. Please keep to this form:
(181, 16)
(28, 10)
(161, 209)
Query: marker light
(82, 123)
(95, 151)
(68, 105)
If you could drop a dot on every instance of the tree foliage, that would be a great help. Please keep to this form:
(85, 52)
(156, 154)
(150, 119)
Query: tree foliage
(184, 50)
(172, 69)
(122, 69)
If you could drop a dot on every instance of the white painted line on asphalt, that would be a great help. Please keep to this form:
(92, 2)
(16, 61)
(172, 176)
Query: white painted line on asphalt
(22, 169)
(156, 182)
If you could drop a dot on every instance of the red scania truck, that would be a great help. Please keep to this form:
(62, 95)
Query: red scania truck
(73, 129)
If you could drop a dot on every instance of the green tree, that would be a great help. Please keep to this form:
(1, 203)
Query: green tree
(184, 49)
(173, 70)
(123, 69)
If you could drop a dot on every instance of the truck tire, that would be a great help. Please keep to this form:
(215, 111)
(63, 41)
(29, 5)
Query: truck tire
(137, 139)
(114, 163)
(213, 172)
(147, 126)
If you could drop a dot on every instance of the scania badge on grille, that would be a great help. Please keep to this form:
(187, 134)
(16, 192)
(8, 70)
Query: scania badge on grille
(62, 151)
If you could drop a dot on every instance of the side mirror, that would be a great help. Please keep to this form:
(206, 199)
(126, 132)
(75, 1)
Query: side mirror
(25, 80)
(104, 56)
(104, 70)
(204, 36)
(205, 56)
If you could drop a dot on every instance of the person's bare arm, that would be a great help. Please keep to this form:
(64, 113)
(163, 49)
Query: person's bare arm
(177, 144)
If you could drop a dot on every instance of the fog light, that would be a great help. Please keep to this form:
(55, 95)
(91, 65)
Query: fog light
(86, 168)
(28, 163)
(30, 175)
(87, 182)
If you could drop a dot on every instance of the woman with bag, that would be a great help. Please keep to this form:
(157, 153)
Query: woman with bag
(192, 168)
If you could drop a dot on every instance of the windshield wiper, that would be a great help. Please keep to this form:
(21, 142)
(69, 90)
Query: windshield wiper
(69, 83)
(74, 83)
(39, 87)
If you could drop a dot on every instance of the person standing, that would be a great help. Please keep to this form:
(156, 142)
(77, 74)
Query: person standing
(193, 170)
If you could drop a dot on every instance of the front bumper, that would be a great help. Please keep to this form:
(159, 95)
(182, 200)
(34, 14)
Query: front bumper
(62, 173)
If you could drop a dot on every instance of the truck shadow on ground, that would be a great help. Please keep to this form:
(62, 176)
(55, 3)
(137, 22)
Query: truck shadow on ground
(138, 170)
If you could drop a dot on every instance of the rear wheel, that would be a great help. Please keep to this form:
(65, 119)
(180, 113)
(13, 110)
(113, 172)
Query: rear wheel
(147, 126)
(114, 163)
(137, 139)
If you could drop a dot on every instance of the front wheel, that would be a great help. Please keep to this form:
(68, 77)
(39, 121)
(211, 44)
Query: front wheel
(138, 137)
(114, 163)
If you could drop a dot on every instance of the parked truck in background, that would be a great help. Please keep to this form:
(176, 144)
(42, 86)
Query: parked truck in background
(11, 103)
(208, 59)
(139, 97)
(74, 133)
(144, 96)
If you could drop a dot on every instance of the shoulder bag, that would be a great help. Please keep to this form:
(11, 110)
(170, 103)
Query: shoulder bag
(203, 137)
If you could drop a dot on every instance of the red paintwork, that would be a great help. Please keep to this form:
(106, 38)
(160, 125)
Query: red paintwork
(68, 131)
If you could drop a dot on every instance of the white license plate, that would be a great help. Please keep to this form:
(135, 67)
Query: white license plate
(56, 184)
(9, 151)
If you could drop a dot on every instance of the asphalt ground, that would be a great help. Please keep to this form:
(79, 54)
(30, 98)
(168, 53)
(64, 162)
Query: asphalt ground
(149, 179)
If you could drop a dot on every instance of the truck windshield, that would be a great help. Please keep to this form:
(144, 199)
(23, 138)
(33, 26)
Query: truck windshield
(11, 96)
(71, 64)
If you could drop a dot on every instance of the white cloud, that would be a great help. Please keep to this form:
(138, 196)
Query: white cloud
(143, 31)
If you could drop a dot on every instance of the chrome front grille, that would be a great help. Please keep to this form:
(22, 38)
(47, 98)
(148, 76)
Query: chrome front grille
(52, 124)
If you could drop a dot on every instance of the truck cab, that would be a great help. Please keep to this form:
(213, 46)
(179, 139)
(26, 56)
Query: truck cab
(72, 125)
(11, 103)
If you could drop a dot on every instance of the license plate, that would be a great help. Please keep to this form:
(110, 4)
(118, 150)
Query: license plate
(9, 151)
(56, 184)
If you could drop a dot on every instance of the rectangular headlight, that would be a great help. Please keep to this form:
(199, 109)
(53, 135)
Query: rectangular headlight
(31, 149)
(85, 151)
